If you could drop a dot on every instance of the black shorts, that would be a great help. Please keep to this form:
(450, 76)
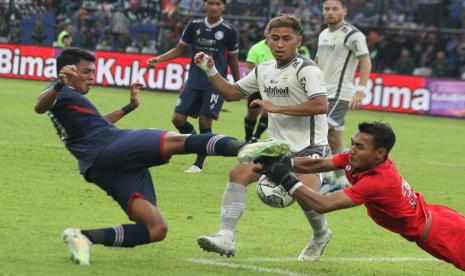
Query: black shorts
(121, 168)
(195, 102)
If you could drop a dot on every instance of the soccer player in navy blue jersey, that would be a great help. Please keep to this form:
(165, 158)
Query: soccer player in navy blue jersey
(116, 160)
(219, 39)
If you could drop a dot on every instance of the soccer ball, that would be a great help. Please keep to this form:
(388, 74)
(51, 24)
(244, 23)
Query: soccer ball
(273, 194)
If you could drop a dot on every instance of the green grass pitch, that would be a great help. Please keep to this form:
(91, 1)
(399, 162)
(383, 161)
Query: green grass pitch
(42, 194)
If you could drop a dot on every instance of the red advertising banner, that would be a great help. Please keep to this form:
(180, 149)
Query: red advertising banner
(394, 93)
(112, 68)
(416, 95)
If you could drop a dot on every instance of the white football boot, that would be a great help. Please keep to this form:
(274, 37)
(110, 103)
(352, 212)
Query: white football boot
(251, 152)
(78, 245)
(193, 169)
(217, 243)
(313, 251)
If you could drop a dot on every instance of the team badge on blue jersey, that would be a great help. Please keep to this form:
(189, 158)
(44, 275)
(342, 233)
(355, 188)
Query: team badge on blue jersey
(219, 35)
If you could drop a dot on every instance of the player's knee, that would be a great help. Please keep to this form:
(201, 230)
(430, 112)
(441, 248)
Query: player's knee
(178, 120)
(158, 232)
(241, 174)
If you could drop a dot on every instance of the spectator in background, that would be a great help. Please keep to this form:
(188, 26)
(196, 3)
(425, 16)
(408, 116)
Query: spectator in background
(119, 23)
(88, 40)
(16, 32)
(65, 38)
(105, 40)
(38, 33)
(441, 66)
(405, 64)
(123, 40)
(3, 28)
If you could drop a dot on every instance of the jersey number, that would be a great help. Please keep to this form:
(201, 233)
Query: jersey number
(409, 194)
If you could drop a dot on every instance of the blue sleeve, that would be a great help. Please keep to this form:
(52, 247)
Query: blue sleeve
(233, 41)
(187, 36)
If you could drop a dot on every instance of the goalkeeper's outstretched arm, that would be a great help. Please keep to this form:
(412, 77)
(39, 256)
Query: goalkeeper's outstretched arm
(312, 165)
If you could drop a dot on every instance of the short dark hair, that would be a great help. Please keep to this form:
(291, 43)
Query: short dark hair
(224, 1)
(72, 56)
(343, 2)
(383, 135)
(285, 20)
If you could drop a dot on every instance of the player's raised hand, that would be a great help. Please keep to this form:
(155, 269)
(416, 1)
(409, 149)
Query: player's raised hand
(66, 74)
(206, 63)
(152, 62)
(135, 91)
(356, 101)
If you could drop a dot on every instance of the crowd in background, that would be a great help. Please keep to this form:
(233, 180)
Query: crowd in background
(413, 37)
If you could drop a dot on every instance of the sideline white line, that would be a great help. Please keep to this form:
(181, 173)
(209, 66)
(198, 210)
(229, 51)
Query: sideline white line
(344, 259)
(431, 163)
(247, 267)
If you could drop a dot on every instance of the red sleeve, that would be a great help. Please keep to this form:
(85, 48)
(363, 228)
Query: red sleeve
(365, 189)
(341, 160)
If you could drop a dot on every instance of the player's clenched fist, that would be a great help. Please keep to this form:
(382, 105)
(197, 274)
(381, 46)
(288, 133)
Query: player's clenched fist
(152, 62)
(206, 63)
(66, 73)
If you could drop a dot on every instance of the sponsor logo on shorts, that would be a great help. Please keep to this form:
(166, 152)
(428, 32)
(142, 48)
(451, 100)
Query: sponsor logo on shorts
(179, 102)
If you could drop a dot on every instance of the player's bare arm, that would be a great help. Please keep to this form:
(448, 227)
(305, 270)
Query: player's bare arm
(306, 165)
(322, 203)
(365, 69)
(171, 54)
(46, 99)
(134, 102)
(234, 66)
(317, 105)
(223, 86)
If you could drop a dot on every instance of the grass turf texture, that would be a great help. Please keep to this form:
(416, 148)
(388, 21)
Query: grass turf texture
(42, 194)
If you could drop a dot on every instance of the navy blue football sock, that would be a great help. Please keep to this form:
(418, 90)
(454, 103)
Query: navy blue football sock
(262, 126)
(201, 158)
(124, 235)
(186, 128)
(249, 126)
(212, 144)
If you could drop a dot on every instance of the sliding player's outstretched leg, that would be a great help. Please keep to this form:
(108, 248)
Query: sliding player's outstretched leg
(203, 144)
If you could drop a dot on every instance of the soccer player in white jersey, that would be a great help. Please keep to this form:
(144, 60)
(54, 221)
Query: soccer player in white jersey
(341, 47)
(294, 95)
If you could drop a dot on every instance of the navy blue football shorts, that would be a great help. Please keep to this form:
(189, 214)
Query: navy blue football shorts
(194, 102)
(122, 168)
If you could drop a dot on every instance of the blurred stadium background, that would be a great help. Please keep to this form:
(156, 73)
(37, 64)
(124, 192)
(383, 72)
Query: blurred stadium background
(431, 30)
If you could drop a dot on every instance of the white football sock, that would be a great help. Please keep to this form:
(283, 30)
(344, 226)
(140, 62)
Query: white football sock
(318, 223)
(232, 207)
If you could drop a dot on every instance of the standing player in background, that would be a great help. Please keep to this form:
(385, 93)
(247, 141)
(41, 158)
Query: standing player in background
(116, 160)
(258, 53)
(341, 47)
(376, 183)
(294, 95)
(218, 38)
